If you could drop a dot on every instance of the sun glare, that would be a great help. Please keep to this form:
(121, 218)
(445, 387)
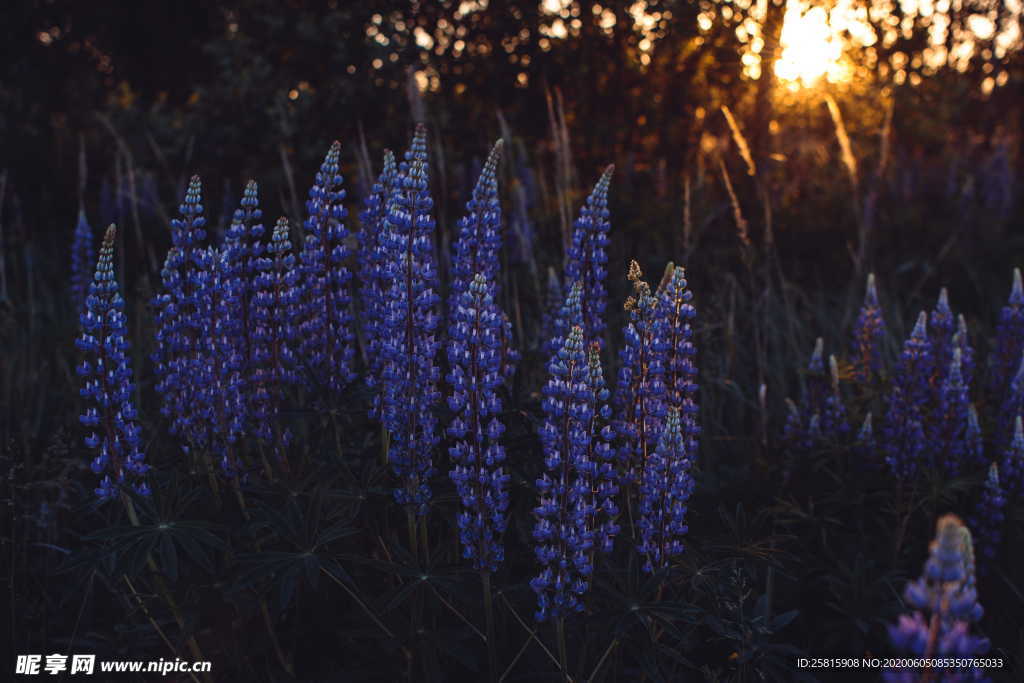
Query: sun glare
(811, 48)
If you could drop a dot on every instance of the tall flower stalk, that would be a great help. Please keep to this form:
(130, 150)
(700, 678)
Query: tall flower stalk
(477, 249)
(945, 603)
(562, 533)
(641, 391)
(372, 272)
(664, 491)
(868, 335)
(477, 454)
(474, 354)
(1009, 342)
(327, 336)
(904, 429)
(179, 318)
(275, 336)
(242, 253)
(410, 343)
(587, 258)
(989, 518)
(106, 374)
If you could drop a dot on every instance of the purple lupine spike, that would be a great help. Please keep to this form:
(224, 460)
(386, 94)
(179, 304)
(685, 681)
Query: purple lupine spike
(865, 446)
(372, 272)
(989, 517)
(941, 328)
(243, 250)
(327, 337)
(219, 396)
(974, 439)
(474, 355)
(945, 603)
(1009, 341)
(1013, 404)
(276, 308)
(553, 300)
(817, 380)
(834, 424)
(1012, 465)
(795, 430)
(603, 482)
(948, 428)
(664, 492)
(680, 370)
(570, 313)
(477, 249)
(904, 436)
(564, 540)
(640, 392)
(868, 336)
(410, 337)
(479, 240)
(107, 383)
(179, 318)
(962, 341)
(587, 258)
(83, 258)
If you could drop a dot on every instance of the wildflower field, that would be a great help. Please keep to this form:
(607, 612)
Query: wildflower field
(463, 388)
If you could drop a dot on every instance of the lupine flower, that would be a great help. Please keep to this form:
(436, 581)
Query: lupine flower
(179, 318)
(794, 430)
(641, 393)
(868, 335)
(474, 354)
(941, 328)
(817, 380)
(587, 260)
(962, 341)
(564, 539)
(1012, 466)
(83, 258)
(989, 517)
(243, 250)
(1009, 342)
(218, 384)
(327, 336)
(479, 241)
(664, 492)
(834, 424)
(948, 428)
(945, 603)
(904, 434)
(974, 439)
(372, 271)
(680, 371)
(569, 314)
(865, 445)
(1013, 404)
(411, 321)
(478, 247)
(275, 335)
(601, 476)
(107, 383)
(553, 300)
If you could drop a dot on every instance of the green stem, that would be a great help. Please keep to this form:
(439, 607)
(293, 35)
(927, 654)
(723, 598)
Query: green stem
(492, 643)
(563, 659)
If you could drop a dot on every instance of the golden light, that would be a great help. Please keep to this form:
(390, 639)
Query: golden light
(811, 48)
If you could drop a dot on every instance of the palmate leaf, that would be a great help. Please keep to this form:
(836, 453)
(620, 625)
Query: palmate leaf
(129, 548)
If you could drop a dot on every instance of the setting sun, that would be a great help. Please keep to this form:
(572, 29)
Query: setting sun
(811, 48)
